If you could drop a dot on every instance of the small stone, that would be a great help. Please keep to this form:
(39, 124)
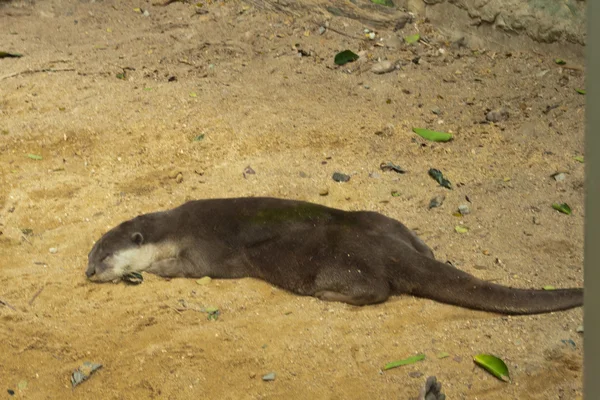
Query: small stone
(579, 329)
(415, 374)
(53, 250)
(497, 115)
(324, 192)
(536, 221)
(372, 35)
(394, 42)
(252, 375)
(436, 111)
(146, 13)
(374, 175)
(464, 209)
(559, 177)
(322, 30)
(302, 174)
(387, 131)
(339, 177)
(383, 67)
(269, 377)
(179, 178)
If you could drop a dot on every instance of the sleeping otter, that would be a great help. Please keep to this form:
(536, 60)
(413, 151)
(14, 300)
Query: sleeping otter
(355, 257)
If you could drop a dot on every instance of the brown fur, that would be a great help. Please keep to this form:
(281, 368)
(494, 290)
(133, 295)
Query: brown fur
(354, 257)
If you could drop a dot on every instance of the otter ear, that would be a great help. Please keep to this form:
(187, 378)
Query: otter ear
(137, 238)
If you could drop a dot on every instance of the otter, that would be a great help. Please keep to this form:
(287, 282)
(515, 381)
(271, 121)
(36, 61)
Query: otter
(356, 257)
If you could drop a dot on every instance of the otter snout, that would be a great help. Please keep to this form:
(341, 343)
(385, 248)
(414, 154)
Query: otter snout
(90, 271)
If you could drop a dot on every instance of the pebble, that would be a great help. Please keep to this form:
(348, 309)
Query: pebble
(179, 178)
(383, 67)
(559, 177)
(269, 377)
(322, 30)
(53, 250)
(146, 13)
(436, 111)
(323, 192)
(415, 374)
(464, 209)
(497, 115)
(339, 177)
(579, 329)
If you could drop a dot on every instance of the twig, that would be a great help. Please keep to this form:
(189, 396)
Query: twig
(36, 295)
(35, 71)
(4, 303)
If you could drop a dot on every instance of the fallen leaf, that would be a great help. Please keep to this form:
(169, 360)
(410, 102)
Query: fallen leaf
(406, 361)
(579, 158)
(388, 3)
(560, 61)
(4, 54)
(461, 229)
(437, 175)
(199, 138)
(443, 354)
(34, 156)
(563, 208)
(432, 135)
(204, 280)
(580, 91)
(345, 57)
(493, 365)
(391, 167)
(193, 94)
(412, 38)
(548, 287)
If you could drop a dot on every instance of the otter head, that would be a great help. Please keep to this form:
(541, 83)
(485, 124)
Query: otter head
(120, 251)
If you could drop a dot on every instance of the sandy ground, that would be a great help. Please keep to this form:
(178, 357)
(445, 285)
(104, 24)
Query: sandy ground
(113, 148)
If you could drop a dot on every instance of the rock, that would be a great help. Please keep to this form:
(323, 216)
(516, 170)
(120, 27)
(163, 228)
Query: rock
(497, 115)
(53, 250)
(559, 177)
(339, 177)
(322, 30)
(464, 209)
(394, 42)
(269, 377)
(383, 67)
(436, 110)
(402, 21)
(179, 178)
(323, 192)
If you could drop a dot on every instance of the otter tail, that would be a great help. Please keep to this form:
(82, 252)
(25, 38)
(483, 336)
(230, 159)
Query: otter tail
(432, 279)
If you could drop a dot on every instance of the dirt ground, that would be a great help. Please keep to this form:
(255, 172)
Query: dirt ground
(113, 148)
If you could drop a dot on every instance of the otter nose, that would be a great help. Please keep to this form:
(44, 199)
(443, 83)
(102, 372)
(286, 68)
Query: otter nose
(91, 271)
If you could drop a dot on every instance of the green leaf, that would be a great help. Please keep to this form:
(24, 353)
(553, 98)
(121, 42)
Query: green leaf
(4, 54)
(560, 61)
(204, 280)
(395, 193)
(193, 94)
(461, 229)
(563, 208)
(580, 91)
(432, 135)
(412, 38)
(579, 158)
(406, 361)
(443, 354)
(121, 75)
(388, 3)
(34, 156)
(345, 56)
(493, 365)
(548, 287)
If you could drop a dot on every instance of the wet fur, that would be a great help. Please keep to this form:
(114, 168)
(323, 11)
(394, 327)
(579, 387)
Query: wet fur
(354, 257)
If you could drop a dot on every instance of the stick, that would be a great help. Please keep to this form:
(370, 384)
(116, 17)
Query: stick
(36, 295)
(4, 303)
